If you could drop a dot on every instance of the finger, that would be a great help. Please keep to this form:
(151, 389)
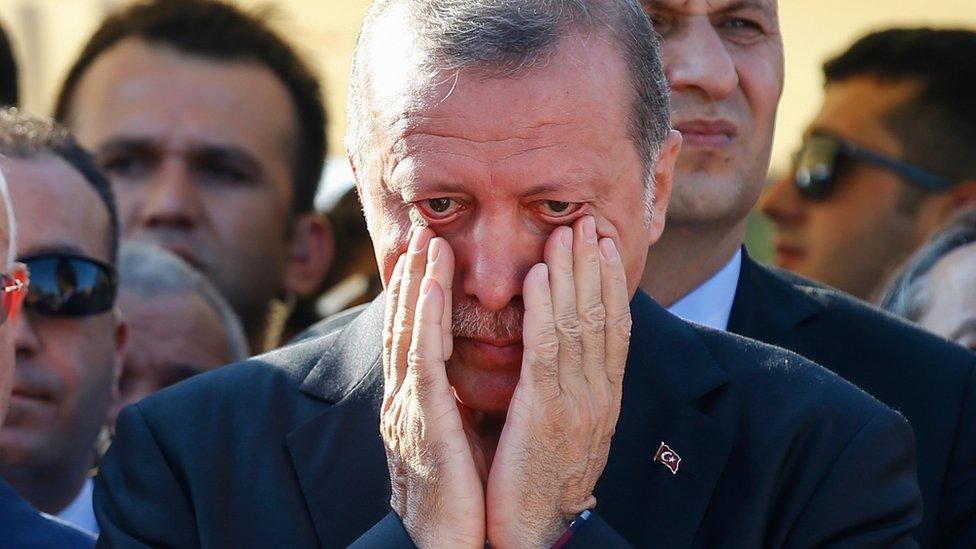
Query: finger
(392, 297)
(440, 267)
(540, 356)
(589, 299)
(616, 300)
(426, 358)
(559, 258)
(414, 267)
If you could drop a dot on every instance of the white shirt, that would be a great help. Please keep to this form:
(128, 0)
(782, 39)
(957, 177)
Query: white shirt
(711, 303)
(80, 512)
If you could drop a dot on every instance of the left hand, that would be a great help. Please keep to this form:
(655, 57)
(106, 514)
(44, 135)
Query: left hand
(556, 437)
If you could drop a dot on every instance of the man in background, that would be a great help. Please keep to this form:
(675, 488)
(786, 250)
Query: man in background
(70, 339)
(179, 324)
(724, 62)
(8, 72)
(212, 131)
(887, 160)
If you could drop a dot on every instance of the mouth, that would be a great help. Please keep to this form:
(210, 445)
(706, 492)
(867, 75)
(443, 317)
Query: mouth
(496, 350)
(706, 133)
(788, 256)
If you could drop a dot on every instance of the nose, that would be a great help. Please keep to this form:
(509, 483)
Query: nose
(171, 198)
(782, 203)
(696, 58)
(26, 342)
(492, 261)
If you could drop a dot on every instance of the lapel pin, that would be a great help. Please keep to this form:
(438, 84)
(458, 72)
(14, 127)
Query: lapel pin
(668, 457)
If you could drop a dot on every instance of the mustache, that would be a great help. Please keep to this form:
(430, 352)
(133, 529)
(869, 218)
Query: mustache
(469, 320)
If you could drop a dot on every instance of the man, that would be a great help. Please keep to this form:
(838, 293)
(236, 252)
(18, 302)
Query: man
(212, 131)
(70, 340)
(179, 324)
(8, 72)
(724, 62)
(20, 524)
(886, 161)
(514, 160)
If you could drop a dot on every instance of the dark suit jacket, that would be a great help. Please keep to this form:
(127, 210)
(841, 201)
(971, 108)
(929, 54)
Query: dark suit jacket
(23, 527)
(930, 381)
(284, 451)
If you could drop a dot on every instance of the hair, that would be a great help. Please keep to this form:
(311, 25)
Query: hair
(217, 30)
(937, 126)
(907, 295)
(8, 72)
(150, 271)
(505, 38)
(11, 223)
(27, 136)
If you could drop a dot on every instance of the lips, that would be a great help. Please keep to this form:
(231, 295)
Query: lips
(492, 353)
(706, 133)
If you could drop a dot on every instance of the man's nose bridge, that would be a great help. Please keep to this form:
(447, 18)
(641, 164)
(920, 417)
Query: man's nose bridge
(705, 62)
(498, 255)
(171, 191)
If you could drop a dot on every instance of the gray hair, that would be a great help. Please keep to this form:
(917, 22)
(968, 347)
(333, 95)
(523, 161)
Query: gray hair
(506, 38)
(150, 271)
(907, 295)
(11, 221)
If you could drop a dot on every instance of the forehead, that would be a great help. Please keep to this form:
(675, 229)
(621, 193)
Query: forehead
(706, 7)
(56, 208)
(855, 108)
(177, 327)
(576, 104)
(139, 90)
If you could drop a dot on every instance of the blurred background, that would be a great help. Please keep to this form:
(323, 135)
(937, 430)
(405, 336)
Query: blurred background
(49, 33)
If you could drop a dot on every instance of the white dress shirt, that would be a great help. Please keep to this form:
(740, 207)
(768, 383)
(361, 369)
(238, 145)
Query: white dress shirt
(711, 303)
(80, 512)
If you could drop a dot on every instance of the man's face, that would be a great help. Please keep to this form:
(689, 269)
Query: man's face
(199, 152)
(867, 225)
(493, 166)
(66, 367)
(171, 337)
(951, 309)
(724, 62)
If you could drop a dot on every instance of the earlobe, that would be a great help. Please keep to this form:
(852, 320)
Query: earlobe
(311, 255)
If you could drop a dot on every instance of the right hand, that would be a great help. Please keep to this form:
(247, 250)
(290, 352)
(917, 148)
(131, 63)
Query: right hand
(436, 488)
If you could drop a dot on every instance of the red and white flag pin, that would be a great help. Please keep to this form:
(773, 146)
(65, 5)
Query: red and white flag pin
(668, 457)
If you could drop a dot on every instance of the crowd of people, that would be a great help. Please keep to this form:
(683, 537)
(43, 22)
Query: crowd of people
(525, 317)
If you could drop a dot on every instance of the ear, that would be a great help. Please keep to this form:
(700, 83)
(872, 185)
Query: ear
(121, 339)
(312, 248)
(663, 183)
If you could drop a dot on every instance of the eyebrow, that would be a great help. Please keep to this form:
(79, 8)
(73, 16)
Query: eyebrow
(732, 6)
(196, 151)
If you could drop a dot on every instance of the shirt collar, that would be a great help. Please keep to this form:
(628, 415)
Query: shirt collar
(711, 303)
(80, 512)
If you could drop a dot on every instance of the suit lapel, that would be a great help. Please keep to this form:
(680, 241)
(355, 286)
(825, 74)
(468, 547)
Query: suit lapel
(668, 373)
(768, 308)
(345, 436)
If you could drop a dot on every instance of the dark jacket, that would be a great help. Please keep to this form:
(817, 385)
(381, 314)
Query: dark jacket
(931, 381)
(284, 451)
(23, 527)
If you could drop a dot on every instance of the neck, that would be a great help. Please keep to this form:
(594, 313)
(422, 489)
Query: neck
(50, 489)
(686, 256)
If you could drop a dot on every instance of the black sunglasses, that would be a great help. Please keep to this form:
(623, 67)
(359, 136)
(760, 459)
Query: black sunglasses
(816, 164)
(67, 285)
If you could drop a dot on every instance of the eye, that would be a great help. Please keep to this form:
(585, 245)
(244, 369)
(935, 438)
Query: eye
(127, 167)
(741, 29)
(557, 209)
(438, 209)
(661, 23)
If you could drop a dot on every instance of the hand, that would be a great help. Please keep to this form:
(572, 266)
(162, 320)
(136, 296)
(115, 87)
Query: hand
(556, 437)
(436, 489)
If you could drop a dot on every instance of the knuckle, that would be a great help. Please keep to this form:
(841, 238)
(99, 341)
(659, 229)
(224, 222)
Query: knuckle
(594, 316)
(569, 327)
(621, 323)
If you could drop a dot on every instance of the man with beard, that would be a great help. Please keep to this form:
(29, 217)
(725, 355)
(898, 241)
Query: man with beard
(70, 340)
(514, 160)
(212, 131)
(724, 63)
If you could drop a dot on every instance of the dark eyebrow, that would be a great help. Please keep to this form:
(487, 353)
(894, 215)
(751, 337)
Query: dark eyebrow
(196, 151)
(733, 6)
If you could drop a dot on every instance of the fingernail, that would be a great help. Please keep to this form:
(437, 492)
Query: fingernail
(417, 243)
(433, 250)
(608, 249)
(566, 238)
(589, 229)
